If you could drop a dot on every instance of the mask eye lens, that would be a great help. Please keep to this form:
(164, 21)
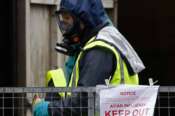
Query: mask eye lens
(65, 22)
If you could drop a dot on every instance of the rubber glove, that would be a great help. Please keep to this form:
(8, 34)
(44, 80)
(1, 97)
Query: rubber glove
(40, 107)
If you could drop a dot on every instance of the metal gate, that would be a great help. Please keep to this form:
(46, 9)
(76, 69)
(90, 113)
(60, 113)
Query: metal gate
(16, 101)
(165, 105)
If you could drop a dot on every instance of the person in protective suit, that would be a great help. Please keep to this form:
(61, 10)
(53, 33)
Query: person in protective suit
(97, 51)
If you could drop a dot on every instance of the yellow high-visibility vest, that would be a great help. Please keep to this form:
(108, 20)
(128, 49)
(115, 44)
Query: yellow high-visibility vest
(59, 78)
(116, 78)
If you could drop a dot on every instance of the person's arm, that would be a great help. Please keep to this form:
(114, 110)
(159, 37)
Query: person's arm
(96, 65)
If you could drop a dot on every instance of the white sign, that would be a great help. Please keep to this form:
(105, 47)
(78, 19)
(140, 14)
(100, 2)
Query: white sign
(126, 100)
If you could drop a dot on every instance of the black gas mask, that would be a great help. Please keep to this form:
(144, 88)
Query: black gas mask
(71, 30)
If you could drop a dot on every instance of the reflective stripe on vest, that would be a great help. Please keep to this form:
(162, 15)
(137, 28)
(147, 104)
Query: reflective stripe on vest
(58, 78)
(116, 79)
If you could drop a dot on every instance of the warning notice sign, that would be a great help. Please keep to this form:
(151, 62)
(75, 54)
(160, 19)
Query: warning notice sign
(125, 100)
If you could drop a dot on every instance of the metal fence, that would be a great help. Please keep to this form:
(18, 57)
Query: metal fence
(18, 101)
(165, 105)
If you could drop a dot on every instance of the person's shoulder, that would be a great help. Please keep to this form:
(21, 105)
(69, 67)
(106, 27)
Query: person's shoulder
(97, 53)
(98, 50)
